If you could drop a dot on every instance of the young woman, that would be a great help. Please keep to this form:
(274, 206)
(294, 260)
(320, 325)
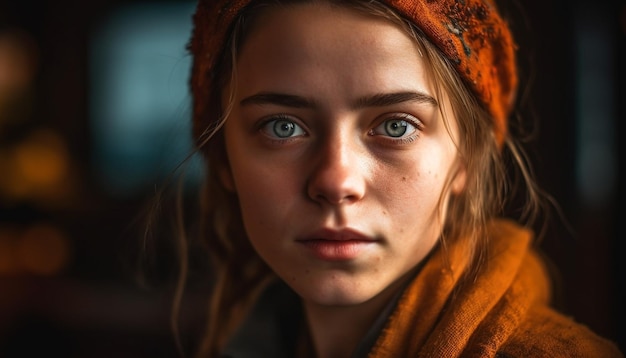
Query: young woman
(356, 172)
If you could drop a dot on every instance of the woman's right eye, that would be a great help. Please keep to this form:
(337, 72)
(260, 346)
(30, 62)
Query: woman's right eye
(282, 128)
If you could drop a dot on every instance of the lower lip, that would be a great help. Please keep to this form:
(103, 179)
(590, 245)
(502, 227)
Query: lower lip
(336, 250)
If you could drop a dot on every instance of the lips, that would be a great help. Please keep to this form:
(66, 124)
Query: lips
(337, 245)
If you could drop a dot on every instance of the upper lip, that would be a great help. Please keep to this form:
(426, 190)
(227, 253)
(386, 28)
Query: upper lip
(337, 235)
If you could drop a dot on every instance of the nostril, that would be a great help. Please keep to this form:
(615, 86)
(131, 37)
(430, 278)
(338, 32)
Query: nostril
(336, 185)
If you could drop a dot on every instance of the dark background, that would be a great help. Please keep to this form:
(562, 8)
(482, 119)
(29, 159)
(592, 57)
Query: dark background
(76, 294)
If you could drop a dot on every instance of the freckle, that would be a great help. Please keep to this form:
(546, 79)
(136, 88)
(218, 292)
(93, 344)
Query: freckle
(403, 178)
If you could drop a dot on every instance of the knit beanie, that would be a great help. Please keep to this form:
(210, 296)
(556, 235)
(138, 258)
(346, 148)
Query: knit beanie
(471, 34)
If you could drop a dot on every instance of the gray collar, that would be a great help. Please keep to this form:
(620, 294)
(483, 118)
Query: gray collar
(273, 326)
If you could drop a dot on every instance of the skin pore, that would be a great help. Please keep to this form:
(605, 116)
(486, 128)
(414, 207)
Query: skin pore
(339, 156)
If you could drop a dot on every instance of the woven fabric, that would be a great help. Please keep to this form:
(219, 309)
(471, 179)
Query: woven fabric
(502, 312)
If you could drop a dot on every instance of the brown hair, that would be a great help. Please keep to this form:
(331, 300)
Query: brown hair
(239, 272)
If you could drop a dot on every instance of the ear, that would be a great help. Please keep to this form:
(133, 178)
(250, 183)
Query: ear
(458, 182)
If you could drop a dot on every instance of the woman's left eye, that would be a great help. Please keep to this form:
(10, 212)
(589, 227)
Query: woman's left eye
(398, 127)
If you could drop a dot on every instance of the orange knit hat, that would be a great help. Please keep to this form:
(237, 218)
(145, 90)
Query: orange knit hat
(470, 33)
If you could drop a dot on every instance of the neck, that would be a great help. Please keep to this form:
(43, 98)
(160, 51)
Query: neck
(337, 330)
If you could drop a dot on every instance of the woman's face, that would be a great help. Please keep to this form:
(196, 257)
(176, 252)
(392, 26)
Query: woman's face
(337, 151)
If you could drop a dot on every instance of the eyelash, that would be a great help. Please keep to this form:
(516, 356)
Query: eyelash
(402, 117)
(264, 127)
(401, 140)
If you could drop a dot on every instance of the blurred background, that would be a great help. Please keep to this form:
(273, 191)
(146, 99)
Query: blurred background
(94, 117)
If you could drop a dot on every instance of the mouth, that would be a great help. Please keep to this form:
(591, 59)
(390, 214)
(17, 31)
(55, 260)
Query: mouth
(337, 245)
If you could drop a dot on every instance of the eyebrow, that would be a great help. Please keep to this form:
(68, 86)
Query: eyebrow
(375, 100)
(389, 99)
(280, 99)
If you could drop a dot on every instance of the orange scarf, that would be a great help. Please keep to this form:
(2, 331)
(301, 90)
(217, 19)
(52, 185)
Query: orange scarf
(503, 311)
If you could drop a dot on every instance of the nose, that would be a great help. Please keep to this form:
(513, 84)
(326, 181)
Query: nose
(337, 175)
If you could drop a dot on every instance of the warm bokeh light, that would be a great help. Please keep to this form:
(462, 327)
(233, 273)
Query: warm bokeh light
(40, 249)
(8, 264)
(38, 167)
(43, 250)
(42, 159)
(18, 68)
(17, 62)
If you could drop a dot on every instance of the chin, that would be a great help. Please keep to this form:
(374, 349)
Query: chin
(336, 293)
(336, 299)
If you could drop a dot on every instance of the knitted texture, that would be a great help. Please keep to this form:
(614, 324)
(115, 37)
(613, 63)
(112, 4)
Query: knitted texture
(470, 33)
(504, 312)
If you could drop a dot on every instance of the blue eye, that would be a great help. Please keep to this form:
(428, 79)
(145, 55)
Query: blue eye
(282, 128)
(395, 128)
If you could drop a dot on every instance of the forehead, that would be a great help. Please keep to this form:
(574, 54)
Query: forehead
(323, 22)
(303, 39)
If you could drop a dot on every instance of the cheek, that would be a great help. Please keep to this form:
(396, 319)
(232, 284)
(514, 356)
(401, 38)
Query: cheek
(412, 191)
(265, 192)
